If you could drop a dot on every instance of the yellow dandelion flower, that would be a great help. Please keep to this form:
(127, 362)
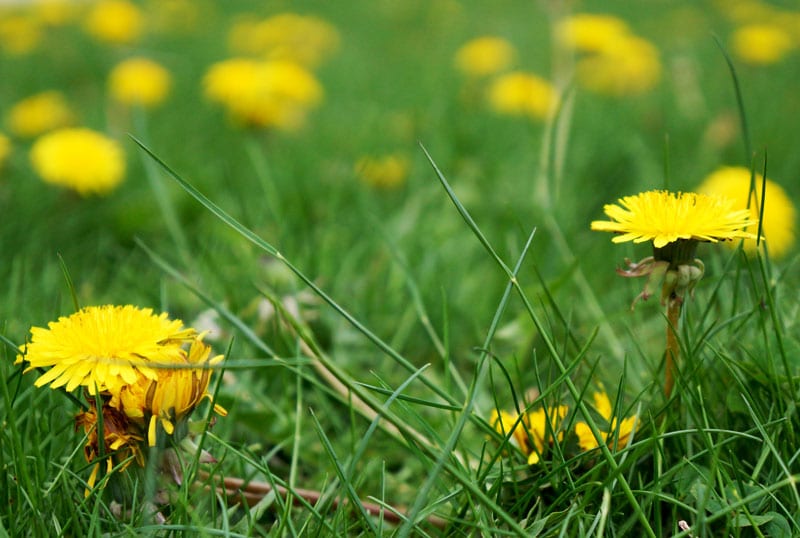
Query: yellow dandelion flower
(588, 32)
(55, 12)
(303, 39)
(139, 81)
(80, 159)
(263, 94)
(619, 432)
(664, 217)
(118, 22)
(105, 348)
(5, 149)
(533, 432)
(761, 44)
(19, 34)
(780, 214)
(39, 113)
(383, 172)
(522, 94)
(172, 395)
(485, 56)
(623, 65)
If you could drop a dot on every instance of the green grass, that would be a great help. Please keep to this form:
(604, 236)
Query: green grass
(369, 334)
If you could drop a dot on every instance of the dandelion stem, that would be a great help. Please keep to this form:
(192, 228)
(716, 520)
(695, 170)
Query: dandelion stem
(673, 346)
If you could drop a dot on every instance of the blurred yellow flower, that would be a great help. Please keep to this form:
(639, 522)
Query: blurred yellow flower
(55, 12)
(176, 16)
(533, 431)
(522, 94)
(139, 81)
(118, 22)
(80, 159)
(664, 217)
(105, 348)
(485, 56)
(385, 172)
(761, 44)
(625, 65)
(263, 93)
(38, 114)
(5, 149)
(302, 39)
(175, 392)
(19, 34)
(780, 213)
(618, 433)
(588, 32)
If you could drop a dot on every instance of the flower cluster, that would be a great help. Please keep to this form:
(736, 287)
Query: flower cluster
(148, 373)
(487, 62)
(611, 59)
(535, 431)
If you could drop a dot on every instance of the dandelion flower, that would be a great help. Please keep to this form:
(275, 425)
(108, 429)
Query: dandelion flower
(384, 172)
(172, 395)
(117, 22)
(19, 34)
(39, 113)
(780, 214)
(5, 149)
(533, 431)
(55, 12)
(625, 65)
(303, 39)
(618, 432)
(589, 32)
(522, 94)
(263, 94)
(485, 56)
(80, 159)
(139, 81)
(761, 44)
(104, 348)
(664, 217)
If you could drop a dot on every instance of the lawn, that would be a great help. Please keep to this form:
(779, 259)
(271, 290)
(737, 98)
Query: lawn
(343, 269)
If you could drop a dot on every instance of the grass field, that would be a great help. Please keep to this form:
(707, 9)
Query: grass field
(393, 250)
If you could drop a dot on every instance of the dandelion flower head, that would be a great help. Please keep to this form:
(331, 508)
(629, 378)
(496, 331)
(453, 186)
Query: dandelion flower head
(104, 348)
(20, 34)
(522, 94)
(5, 149)
(55, 12)
(589, 32)
(780, 214)
(484, 56)
(80, 159)
(263, 93)
(664, 217)
(139, 81)
(622, 431)
(533, 431)
(303, 39)
(117, 22)
(39, 113)
(761, 44)
(384, 172)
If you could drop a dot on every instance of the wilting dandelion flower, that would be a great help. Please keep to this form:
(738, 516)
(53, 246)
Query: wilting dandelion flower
(522, 94)
(19, 34)
(139, 81)
(117, 22)
(761, 44)
(484, 56)
(263, 94)
(780, 214)
(674, 223)
(532, 431)
(618, 432)
(39, 113)
(384, 172)
(303, 39)
(80, 159)
(105, 348)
